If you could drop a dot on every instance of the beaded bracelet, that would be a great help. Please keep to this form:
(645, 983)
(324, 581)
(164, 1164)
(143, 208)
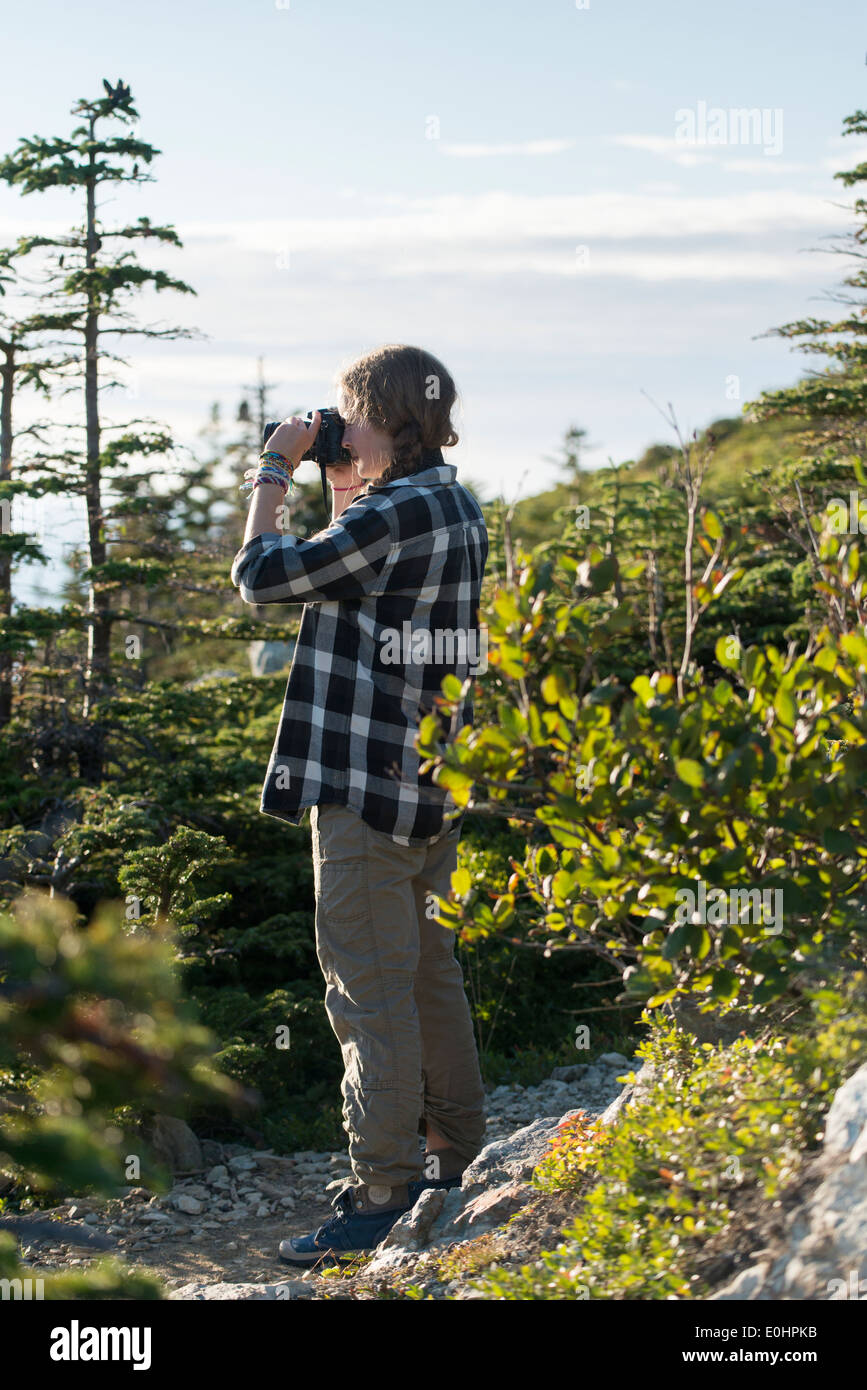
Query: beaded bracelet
(255, 476)
(262, 476)
(272, 468)
(271, 456)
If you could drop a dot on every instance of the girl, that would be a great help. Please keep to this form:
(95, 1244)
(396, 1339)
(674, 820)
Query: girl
(391, 593)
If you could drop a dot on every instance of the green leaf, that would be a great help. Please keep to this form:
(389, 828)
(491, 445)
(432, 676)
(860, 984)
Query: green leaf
(725, 984)
(461, 882)
(839, 841)
(728, 652)
(785, 707)
(712, 524)
(689, 771)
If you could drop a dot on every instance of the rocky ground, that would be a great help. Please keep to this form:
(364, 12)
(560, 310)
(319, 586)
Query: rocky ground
(216, 1233)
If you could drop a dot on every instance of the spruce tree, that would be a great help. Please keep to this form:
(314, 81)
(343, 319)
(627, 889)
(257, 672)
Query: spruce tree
(831, 404)
(92, 274)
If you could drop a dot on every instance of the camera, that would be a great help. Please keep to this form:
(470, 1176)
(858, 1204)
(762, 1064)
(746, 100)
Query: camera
(327, 448)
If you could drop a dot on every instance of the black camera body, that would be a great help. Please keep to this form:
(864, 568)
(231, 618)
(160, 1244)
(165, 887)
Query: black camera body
(327, 448)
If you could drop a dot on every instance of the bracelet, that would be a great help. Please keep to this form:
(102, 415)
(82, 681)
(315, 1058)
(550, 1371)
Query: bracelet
(265, 478)
(267, 474)
(272, 468)
(271, 456)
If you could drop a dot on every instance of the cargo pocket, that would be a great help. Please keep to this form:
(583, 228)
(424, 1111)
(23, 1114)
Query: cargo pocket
(343, 889)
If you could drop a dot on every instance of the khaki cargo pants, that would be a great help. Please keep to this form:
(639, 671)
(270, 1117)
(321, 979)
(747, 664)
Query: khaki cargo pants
(394, 996)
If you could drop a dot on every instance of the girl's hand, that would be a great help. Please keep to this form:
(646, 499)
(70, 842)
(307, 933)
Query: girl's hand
(293, 437)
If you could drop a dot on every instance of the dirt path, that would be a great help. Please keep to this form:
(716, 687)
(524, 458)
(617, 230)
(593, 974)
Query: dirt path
(242, 1252)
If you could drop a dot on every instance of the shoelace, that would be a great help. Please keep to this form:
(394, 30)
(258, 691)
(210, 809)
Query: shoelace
(342, 1208)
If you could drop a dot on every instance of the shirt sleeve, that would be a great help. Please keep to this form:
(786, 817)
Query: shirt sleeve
(342, 562)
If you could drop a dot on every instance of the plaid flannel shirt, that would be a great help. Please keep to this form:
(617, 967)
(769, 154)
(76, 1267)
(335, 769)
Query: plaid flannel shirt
(393, 579)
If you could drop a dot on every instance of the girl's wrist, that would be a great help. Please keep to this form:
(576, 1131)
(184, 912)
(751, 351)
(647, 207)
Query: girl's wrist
(272, 467)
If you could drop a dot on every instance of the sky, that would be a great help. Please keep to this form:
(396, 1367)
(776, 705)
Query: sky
(558, 200)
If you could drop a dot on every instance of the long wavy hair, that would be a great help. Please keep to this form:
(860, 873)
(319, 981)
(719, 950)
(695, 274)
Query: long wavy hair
(408, 394)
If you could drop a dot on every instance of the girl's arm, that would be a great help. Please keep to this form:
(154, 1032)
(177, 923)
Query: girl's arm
(292, 438)
(266, 511)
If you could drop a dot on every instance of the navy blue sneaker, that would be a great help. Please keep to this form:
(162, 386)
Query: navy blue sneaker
(363, 1216)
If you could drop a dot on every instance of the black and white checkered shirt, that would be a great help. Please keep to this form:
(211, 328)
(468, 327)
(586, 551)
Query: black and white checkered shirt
(391, 592)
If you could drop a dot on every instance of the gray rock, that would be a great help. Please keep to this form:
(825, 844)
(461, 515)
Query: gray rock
(631, 1092)
(825, 1250)
(212, 1152)
(191, 1205)
(390, 1261)
(490, 1209)
(287, 1290)
(573, 1073)
(455, 1201)
(267, 658)
(710, 1026)
(412, 1231)
(195, 1189)
(612, 1059)
(175, 1144)
(242, 1164)
(510, 1160)
(748, 1285)
(847, 1117)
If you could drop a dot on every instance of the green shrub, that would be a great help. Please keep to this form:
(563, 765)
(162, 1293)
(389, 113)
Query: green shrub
(711, 1124)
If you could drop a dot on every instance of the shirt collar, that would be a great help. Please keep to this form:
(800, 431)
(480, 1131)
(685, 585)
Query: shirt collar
(444, 473)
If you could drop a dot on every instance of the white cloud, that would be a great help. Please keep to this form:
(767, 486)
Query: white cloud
(763, 166)
(668, 147)
(665, 145)
(482, 151)
(508, 219)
